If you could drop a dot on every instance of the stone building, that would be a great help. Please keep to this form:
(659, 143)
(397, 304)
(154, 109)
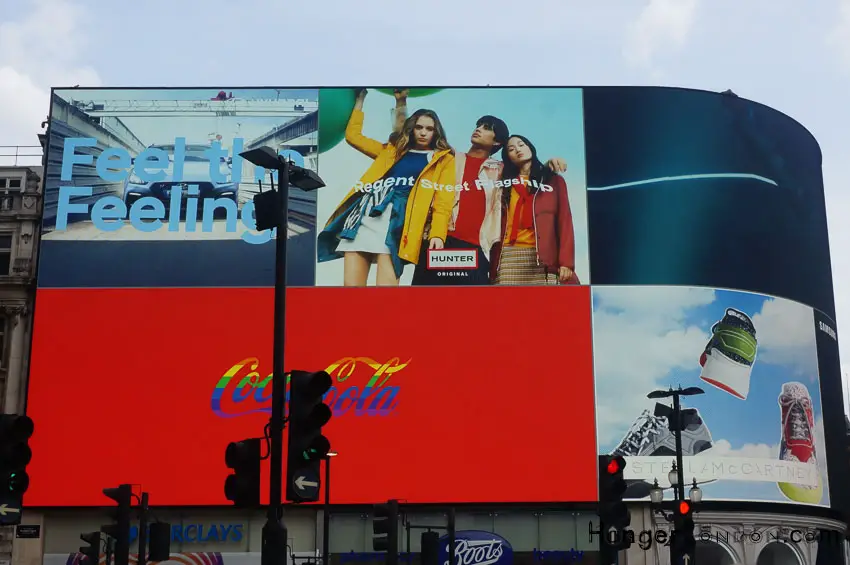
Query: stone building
(20, 213)
(21, 174)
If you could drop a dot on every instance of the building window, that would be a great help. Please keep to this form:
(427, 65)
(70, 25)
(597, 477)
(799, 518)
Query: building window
(5, 253)
(6, 183)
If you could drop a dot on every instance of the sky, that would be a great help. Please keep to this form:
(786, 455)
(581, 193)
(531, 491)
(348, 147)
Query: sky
(792, 59)
(551, 119)
(649, 338)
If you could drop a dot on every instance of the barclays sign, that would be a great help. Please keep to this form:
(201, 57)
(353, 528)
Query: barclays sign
(200, 533)
(476, 547)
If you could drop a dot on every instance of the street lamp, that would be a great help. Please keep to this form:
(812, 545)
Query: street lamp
(673, 475)
(271, 211)
(695, 494)
(677, 430)
(656, 494)
(326, 514)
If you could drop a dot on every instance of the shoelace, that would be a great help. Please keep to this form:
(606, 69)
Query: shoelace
(799, 423)
(642, 431)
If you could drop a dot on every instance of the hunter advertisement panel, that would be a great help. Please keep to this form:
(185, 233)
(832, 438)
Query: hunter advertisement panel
(494, 278)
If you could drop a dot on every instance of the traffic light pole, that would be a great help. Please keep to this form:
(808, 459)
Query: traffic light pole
(326, 514)
(143, 529)
(274, 531)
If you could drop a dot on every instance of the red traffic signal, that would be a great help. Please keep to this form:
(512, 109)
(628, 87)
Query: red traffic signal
(616, 465)
(684, 507)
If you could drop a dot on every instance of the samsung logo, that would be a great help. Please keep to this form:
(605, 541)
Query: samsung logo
(827, 330)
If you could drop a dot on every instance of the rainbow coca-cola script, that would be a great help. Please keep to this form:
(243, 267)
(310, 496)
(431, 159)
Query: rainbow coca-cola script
(361, 386)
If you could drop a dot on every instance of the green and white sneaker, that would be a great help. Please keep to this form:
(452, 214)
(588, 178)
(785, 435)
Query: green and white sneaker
(728, 358)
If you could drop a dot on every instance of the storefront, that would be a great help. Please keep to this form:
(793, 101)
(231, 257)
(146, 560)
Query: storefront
(521, 536)
(518, 536)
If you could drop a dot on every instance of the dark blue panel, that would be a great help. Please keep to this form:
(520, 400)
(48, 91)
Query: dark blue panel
(157, 264)
(767, 236)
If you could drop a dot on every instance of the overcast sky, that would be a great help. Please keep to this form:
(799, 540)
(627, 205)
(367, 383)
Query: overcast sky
(790, 55)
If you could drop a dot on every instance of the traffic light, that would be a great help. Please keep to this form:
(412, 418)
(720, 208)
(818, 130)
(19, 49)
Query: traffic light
(683, 542)
(307, 446)
(430, 552)
(242, 487)
(159, 541)
(614, 515)
(120, 531)
(385, 530)
(15, 455)
(91, 552)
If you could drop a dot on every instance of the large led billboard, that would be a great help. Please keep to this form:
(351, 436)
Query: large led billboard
(495, 278)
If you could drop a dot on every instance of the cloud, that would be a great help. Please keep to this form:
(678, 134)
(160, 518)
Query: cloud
(639, 332)
(723, 448)
(44, 48)
(839, 38)
(786, 336)
(661, 24)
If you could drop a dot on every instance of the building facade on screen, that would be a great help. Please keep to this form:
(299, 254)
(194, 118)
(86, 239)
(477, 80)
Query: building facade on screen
(680, 235)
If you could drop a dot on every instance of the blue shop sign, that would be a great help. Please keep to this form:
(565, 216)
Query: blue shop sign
(200, 533)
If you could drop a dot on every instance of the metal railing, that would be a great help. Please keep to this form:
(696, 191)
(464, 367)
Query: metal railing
(20, 155)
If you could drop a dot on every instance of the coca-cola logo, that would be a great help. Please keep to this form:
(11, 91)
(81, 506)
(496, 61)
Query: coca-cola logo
(474, 547)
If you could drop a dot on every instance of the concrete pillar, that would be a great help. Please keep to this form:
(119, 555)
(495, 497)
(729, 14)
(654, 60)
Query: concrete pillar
(29, 551)
(15, 315)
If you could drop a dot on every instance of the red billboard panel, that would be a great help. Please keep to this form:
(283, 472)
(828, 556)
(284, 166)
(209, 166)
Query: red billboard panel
(440, 395)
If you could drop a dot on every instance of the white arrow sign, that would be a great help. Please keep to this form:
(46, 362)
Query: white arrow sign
(686, 559)
(4, 509)
(302, 482)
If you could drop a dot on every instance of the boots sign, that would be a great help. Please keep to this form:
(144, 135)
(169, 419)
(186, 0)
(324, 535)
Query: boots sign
(475, 547)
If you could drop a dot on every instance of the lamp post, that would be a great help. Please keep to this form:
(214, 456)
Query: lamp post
(271, 211)
(677, 429)
(326, 513)
(682, 546)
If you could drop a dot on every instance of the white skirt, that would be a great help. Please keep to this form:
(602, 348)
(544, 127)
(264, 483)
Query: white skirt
(371, 235)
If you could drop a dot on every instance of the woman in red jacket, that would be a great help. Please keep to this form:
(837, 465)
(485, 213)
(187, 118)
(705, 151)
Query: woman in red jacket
(537, 243)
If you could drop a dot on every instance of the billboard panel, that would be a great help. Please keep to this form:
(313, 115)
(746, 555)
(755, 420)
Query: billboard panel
(757, 431)
(698, 219)
(146, 188)
(502, 200)
(163, 379)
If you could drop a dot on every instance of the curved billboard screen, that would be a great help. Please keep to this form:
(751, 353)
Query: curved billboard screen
(678, 237)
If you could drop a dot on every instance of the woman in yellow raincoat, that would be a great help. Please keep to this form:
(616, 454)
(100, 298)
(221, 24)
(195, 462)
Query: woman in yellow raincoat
(402, 200)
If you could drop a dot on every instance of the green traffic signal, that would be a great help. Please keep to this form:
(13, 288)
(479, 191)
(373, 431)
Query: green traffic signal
(307, 414)
(15, 454)
(18, 482)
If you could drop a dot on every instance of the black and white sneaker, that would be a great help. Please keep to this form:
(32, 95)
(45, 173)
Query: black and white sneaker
(650, 436)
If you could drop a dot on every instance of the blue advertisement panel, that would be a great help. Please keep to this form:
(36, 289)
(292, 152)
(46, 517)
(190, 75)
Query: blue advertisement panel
(146, 188)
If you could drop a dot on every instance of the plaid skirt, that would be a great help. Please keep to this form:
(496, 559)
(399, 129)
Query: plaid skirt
(518, 267)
